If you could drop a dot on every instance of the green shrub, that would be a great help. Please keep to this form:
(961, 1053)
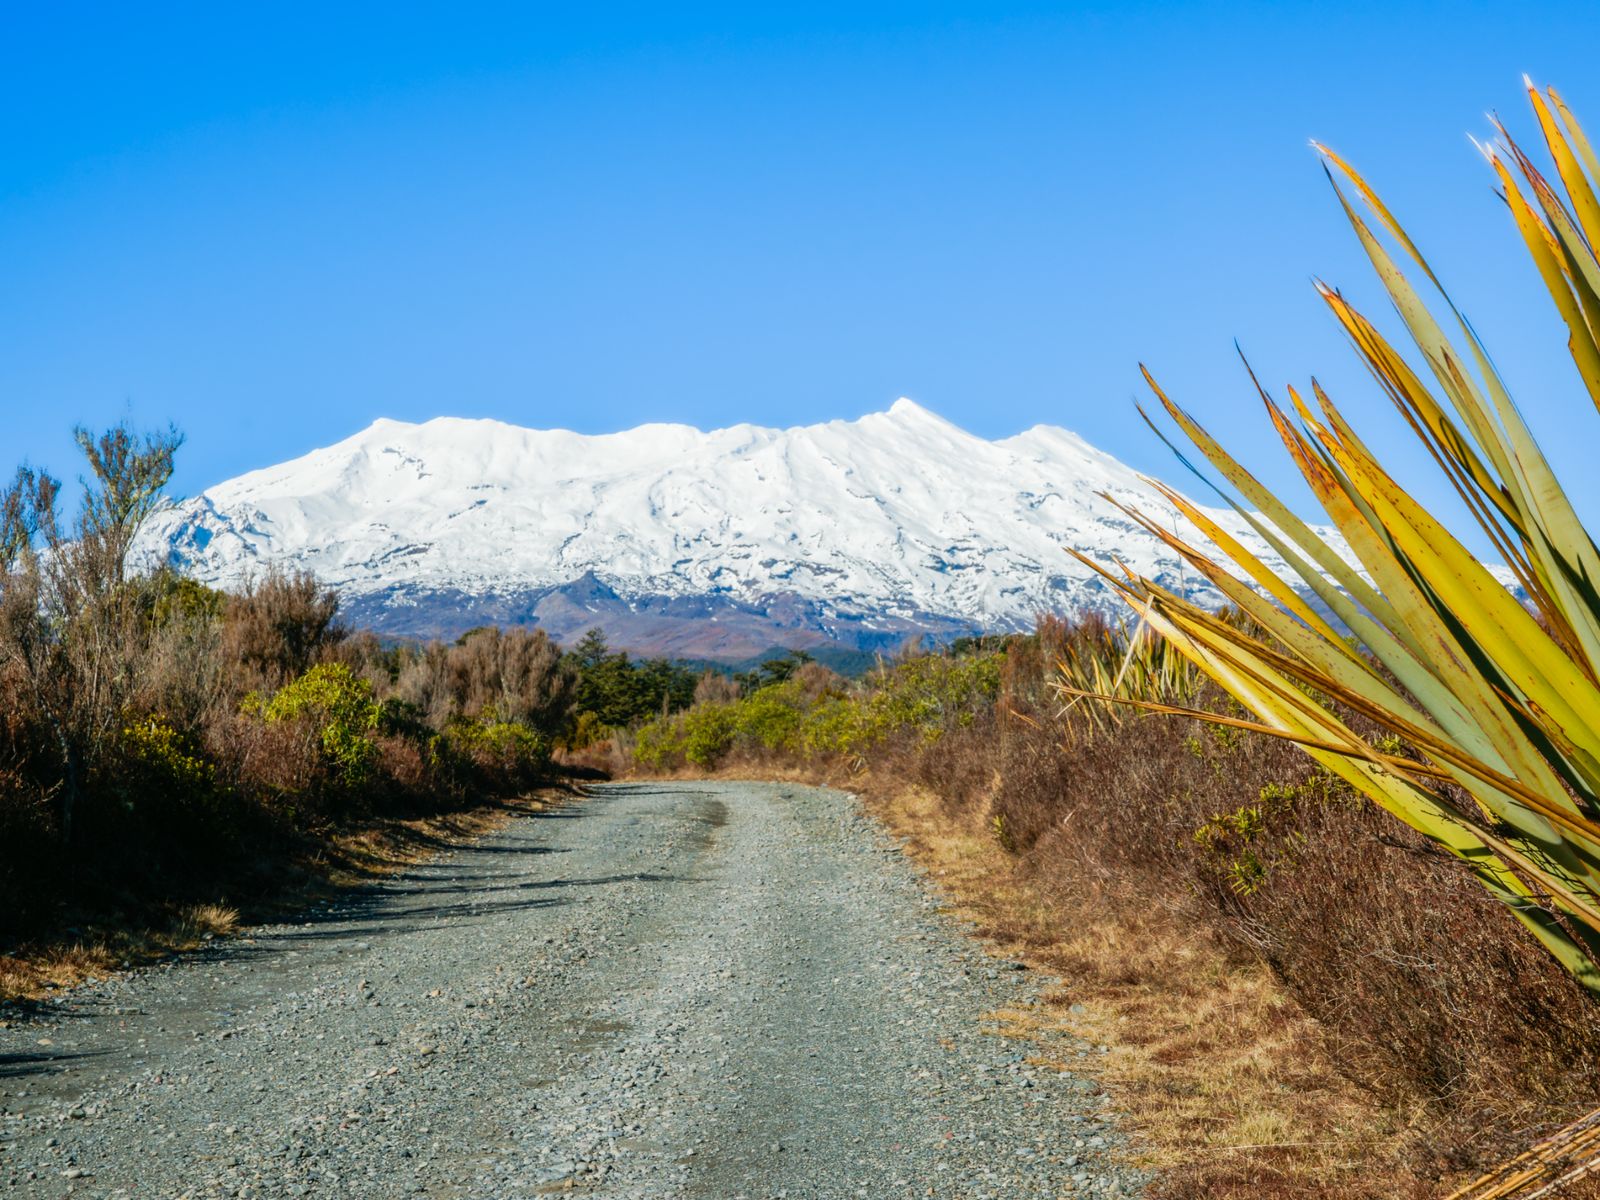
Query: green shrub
(837, 725)
(339, 707)
(586, 731)
(772, 717)
(707, 733)
(178, 598)
(656, 742)
(162, 758)
(927, 694)
(507, 747)
(924, 696)
(700, 736)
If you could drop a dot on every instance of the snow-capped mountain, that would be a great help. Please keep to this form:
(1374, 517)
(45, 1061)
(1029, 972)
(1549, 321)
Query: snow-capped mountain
(676, 540)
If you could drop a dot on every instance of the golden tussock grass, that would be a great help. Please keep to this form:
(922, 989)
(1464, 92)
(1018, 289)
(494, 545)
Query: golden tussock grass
(37, 970)
(1227, 1087)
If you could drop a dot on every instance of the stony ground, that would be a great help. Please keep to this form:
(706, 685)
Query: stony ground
(668, 990)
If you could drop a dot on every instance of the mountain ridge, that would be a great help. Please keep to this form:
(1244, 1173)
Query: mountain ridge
(714, 544)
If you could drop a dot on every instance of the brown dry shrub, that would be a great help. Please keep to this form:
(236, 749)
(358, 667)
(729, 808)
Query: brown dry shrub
(1432, 993)
(1428, 985)
(948, 765)
(815, 682)
(273, 761)
(278, 627)
(713, 687)
(410, 780)
(512, 675)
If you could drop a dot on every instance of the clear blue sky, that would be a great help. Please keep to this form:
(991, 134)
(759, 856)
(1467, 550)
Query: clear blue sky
(275, 223)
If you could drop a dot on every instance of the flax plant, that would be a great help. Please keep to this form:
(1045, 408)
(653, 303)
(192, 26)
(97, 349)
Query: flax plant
(1104, 660)
(1491, 706)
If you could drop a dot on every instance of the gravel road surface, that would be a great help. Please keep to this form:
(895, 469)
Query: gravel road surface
(666, 990)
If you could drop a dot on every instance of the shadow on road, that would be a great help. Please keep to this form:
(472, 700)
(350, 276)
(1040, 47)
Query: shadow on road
(37, 1063)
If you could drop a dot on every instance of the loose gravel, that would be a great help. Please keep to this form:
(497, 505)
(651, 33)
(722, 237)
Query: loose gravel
(665, 991)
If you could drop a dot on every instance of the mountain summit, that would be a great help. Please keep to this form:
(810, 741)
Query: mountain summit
(716, 544)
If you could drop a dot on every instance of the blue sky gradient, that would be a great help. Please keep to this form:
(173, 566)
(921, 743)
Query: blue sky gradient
(273, 224)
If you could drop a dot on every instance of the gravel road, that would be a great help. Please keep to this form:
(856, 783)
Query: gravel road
(666, 990)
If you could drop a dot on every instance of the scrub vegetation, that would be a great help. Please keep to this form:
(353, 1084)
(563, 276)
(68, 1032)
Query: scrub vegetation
(170, 753)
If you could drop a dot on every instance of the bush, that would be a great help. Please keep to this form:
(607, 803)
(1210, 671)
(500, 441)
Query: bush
(516, 675)
(279, 628)
(771, 718)
(834, 727)
(339, 711)
(1444, 1006)
(160, 739)
(707, 734)
(809, 711)
(587, 729)
(701, 736)
(506, 752)
(168, 762)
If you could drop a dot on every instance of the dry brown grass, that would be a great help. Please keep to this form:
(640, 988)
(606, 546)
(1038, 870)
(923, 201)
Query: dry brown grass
(80, 956)
(1228, 1087)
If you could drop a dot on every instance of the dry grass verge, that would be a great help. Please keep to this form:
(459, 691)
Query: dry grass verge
(1228, 1087)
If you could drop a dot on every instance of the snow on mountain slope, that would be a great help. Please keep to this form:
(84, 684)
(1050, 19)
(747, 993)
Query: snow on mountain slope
(849, 531)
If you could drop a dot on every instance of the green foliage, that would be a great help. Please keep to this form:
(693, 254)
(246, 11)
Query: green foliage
(1002, 835)
(701, 736)
(1226, 737)
(179, 598)
(921, 697)
(506, 746)
(834, 726)
(656, 743)
(587, 729)
(772, 717)
(339, 707)
(927, 694)
(620, 691)
(707, 734)
(163, 758)
(1244, 843)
